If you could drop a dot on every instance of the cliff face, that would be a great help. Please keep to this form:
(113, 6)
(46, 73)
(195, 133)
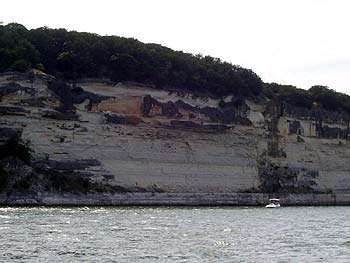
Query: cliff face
(97, 137)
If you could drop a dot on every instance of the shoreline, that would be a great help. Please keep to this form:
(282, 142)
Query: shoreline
(174, 199)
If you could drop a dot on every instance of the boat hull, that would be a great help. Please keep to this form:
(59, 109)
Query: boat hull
(273, 206)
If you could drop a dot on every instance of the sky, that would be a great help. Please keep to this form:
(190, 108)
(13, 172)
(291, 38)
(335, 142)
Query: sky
(297, 42)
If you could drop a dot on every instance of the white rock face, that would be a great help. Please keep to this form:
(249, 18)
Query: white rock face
(157, 154)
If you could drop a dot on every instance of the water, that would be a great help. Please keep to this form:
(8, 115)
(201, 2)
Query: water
(146, 234)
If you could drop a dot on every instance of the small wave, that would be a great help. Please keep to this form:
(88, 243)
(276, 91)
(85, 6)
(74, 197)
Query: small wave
(222, 244)
(74, 253)
(9, 209)
(149, 257)
(150, 228)
(115, 228)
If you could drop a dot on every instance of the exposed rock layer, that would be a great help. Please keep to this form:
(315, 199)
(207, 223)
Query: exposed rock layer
(118, 139)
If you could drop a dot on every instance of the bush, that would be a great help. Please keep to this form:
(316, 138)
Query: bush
(15, 147)
(3, 178)
(22, 184)
(316, 96)
(20, 65)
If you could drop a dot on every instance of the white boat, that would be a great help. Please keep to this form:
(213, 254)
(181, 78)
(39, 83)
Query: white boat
(274, 203)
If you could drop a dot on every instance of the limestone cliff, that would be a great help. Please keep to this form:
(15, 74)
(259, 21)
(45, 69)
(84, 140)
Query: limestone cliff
(99, 137)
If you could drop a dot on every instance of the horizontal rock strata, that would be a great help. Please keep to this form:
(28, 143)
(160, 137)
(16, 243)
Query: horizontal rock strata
(132, 144)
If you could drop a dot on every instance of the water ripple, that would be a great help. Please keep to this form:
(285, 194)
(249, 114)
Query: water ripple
(149, 234)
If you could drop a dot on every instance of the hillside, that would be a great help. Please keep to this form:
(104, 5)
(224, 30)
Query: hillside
(109, 120)
(74, 55)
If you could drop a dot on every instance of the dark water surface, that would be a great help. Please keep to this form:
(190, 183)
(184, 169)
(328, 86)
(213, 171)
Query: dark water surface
(146, 234)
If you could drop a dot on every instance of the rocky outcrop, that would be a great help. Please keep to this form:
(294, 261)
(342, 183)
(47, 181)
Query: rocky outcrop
(195, 127)
(14, 89)
(119, 119)
(131, 144)
(5, 110)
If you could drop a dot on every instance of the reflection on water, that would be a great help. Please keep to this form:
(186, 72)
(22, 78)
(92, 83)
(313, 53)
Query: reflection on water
(146, 234)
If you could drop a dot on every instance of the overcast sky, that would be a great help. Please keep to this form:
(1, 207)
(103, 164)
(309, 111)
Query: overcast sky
(299, 42)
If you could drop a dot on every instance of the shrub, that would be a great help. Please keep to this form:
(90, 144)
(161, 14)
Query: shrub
(3, 178)
(15, 147)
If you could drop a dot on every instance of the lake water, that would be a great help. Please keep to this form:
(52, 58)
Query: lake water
(151, 234)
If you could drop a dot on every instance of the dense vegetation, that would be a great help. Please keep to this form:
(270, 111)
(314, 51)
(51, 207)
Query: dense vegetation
(73, 55)
(13, 148)
(315, 97)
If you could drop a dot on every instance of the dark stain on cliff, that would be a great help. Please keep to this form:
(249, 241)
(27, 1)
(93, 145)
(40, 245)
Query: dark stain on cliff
(319, 116)
(273, 113)
(231, 112)
(68, 96)
(324, 131)
(15, 88)
(12, 110)
(283, 179)
(196, 127)
(168, 109)
(121, 119)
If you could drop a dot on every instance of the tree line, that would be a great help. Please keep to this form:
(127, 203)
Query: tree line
(71, 55)
(317, 96)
